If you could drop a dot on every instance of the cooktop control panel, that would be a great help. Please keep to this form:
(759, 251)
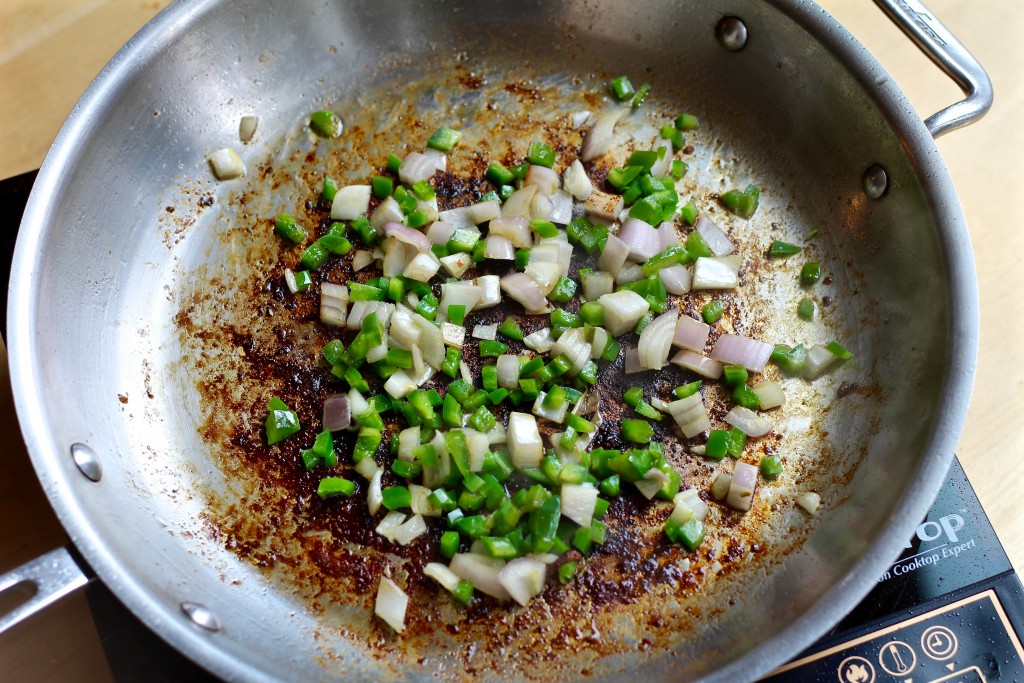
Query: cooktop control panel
(949, 610)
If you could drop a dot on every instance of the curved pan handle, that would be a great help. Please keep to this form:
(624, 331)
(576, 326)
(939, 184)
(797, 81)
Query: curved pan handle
(51, 576)
(949, 54)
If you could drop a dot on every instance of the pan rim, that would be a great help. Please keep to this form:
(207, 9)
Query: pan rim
(950, 225)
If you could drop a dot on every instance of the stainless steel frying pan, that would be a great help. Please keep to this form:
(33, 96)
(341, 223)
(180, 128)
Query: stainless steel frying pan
(110, 412)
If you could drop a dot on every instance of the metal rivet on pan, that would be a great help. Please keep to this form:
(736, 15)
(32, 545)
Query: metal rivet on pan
(87, 461)
(731, 33)
(876, 182)
(202, 616)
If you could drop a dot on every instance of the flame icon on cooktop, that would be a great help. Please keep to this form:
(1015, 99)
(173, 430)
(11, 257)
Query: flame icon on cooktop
(856, 670)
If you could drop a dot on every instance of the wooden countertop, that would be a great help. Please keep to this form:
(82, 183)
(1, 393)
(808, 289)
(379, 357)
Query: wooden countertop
(50, 51)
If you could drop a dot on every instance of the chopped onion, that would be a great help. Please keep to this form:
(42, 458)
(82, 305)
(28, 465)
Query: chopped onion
(357, 404)
(541, 206)
(597, 283)
(410, 530)
(748, 422)
(498, 248)
(631, 272)
(490, 290)
(524, 444)
(333, 304)
(652, 482)
(578, 502)
(366, 468)
(456, 264)
(458, 294)
(408, 440)
(508, 371)
(523, 578)
(577, 119)
(614, 255)
(247, 128)
(669, 236)
(381, 308)
(421, 504)
(400, 384)
(717, 240)
(691, 334)
(397, 256)
(388, 211)
(561, 207)
(404, 233)
(448, 579)
(691, 415)
(453, 335)
(819, 360)
(691, 499)
(361, 259)
(437, 157)
(623, 310)
(486, 331)
(540, 341)
(643, 240)
(525, 290)
(350, 202)
(720, 487)
(391, 604)
(702, 365)
(478, 447)
(741, 488)
(481, 212)
(661, 166)
(226, 164)
(544, 178)
(515, 229)
(431, 343)
(423, 267)
(809, 501)
(677, 279)
(556, 414)
(403, 332)
(632, 362)
(416, 167)
(337, 415)
(598, 140)
(656, 340)
(545, 273)
(390, 523)
(770, 395)
(576, 181)
(519, 202)
(736, 350)
(603, 205)
(457, 218)
(378, 352)
(482, 572)
(598, 342)
(573, 345)
(716, 272)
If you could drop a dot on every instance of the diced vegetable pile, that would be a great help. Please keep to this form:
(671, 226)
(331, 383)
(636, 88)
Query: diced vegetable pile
(503, 459)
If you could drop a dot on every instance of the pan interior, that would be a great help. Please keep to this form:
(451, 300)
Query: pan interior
(139, 233)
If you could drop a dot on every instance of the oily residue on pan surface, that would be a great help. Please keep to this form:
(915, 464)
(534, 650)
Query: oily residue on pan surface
(246, 338)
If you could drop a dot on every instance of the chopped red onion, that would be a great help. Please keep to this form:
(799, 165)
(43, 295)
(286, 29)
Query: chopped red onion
(736, 350)
(416, 167)
(614, 255)
(561, 207)
(717, 240)
(741, 488)
(337, 415)
(656, 340)
(643, 240)
(702, 365)
(523, 289)
(516, 229)
(748, 422)
(669, 236)
(677, 279)
(632, 360)
(541, 206)
(406, 234)
(519, 202)
(691, 334)
(499, 248)
(543, 177)
(387, 212)
(599, 138)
